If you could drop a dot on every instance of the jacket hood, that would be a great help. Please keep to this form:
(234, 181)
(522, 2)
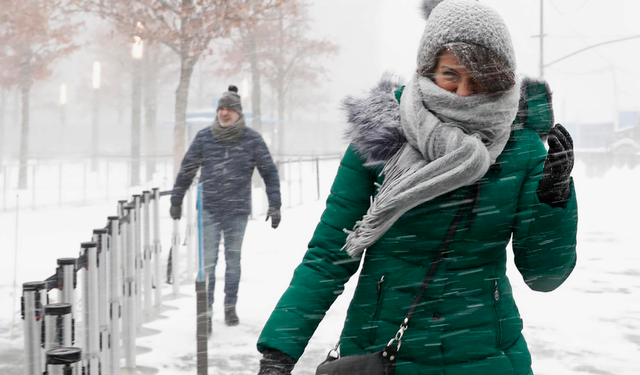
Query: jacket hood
(374, 122)
(374, 128)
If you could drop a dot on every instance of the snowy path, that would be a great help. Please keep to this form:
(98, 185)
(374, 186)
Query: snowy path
(591, 325)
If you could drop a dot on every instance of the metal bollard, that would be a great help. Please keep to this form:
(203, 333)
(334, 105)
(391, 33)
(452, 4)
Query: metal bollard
(58, 327)
(128, 303)
(121, 205)
(157, 248)
(114, 291)
(175, 245)
(64, 361)
(33, 298)
(146, 249)
(67, 281)
(89, 261)
(100, 238)
(189, 233)
(137, 247)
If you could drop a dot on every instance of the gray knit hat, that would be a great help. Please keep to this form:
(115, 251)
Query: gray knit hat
(463, 21)
(231, 99)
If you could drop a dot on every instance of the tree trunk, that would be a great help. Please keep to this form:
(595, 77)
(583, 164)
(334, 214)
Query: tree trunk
(255, 80)
(182, 100)
(151, 108)
(281, 111)
(280, 85)
(3, 106)
(24, 138)
(136, 113)
(16, 108)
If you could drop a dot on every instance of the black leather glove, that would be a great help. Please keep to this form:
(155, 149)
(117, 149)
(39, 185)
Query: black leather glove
(275, 362)
(274, 214)
(175, 212)
(554, 188)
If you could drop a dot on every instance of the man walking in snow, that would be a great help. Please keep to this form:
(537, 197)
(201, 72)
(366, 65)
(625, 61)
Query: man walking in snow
(227, 153)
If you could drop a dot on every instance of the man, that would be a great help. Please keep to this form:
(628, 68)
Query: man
(227, 153)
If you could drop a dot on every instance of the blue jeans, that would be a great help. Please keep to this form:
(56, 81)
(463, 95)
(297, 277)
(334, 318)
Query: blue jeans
(232, 228)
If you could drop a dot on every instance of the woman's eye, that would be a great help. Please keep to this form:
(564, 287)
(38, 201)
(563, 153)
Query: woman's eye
(450, 75)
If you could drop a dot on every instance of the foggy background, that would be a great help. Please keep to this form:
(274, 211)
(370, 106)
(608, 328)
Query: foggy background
(372, 37)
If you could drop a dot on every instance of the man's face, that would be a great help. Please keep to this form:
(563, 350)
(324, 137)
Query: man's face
(227, 116)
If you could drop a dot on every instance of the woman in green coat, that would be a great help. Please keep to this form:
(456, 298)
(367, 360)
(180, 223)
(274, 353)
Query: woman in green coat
(450, 167)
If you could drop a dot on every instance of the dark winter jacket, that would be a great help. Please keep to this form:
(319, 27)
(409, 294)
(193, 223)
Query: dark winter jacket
(226, 172)
(467, 321)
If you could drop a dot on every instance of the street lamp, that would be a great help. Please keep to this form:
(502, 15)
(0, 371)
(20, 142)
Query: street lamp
(137, 53)
(95, 118)
(137, 48)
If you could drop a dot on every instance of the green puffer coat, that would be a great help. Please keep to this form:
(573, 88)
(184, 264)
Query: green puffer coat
(467, 321)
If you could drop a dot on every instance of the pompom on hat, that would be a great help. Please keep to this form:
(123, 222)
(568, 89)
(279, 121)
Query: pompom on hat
(463, 21)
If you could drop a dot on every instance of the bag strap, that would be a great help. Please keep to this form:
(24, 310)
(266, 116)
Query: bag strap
(474, 195)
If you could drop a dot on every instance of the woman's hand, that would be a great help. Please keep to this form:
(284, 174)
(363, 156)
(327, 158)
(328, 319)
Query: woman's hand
(275, 362)
(554, 188)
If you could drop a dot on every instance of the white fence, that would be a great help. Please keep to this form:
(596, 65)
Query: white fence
(86, 317)
(57, 183)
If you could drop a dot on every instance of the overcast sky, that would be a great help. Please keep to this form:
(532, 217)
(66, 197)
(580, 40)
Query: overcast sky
(383, 35)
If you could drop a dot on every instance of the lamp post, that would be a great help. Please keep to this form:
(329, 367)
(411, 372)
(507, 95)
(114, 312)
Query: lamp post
(95, 121)
(136, 102)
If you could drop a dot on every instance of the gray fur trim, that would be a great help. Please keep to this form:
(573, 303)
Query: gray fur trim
(427, 7)
(374, 122)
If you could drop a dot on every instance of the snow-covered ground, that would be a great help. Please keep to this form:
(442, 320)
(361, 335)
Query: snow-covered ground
(590, 325)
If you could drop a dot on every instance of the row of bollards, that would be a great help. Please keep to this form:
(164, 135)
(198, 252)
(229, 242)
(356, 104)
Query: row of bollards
(119, 272)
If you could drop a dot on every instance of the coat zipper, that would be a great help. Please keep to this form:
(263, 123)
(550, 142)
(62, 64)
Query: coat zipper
(376, 315)
(496, 297)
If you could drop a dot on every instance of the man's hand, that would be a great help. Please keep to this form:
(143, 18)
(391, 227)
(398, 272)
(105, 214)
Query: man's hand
(554, 188)
(274, 214)
(175, 212)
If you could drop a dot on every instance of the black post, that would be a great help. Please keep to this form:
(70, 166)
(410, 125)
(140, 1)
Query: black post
(201, 327)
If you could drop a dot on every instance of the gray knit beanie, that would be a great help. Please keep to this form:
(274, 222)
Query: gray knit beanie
(231, 99)
(463, 21)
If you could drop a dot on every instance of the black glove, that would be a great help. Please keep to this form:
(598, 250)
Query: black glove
(275, 362)
(274, 214)
(175, 212)
(554, 188)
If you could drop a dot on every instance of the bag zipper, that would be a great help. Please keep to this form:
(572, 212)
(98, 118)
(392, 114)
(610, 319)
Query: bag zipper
(376, 315)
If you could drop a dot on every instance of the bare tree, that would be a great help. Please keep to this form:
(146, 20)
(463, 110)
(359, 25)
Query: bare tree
(278, 48)
(33, 35)
(187, 28)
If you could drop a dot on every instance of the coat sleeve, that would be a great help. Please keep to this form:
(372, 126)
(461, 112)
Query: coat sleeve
(544, 238)
(189, 167)
(325, 268)
(268, 172)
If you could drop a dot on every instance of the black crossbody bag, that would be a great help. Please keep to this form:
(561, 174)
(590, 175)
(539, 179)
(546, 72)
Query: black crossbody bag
(383, 362)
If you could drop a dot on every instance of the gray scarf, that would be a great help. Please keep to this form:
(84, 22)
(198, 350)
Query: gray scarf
(230, 133)
(451, 142)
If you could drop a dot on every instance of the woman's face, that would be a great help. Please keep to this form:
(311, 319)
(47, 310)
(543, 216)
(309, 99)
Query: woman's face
(453, 77)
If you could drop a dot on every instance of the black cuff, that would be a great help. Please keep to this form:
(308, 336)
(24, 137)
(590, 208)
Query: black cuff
(275, 362)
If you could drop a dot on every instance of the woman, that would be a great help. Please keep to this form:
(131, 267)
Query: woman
(449, 152)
